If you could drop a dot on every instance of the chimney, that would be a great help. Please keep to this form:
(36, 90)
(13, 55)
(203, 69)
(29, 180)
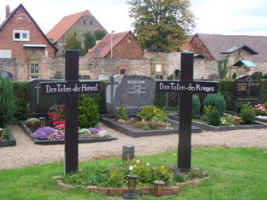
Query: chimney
(7, 11)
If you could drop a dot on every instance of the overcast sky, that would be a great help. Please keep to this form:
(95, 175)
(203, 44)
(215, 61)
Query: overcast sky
(212, 16)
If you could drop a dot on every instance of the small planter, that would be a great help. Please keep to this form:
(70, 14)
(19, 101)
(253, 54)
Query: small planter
(29, 132)
(133, 132)
(11, 141)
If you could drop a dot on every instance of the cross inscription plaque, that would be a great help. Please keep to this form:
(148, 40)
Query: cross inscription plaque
(186, 87)
(70, 88)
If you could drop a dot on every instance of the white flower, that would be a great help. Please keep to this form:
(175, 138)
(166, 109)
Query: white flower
(137, 161)
(147, 164)
(130, 167)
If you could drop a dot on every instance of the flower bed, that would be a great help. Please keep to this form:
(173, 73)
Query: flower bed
(132, 131)
(6, 138)
(112, 180)
(50, 135)
(224, 126)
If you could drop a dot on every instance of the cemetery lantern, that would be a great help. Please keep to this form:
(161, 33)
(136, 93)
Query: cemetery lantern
(158, 187)
(131, 194)
(42, 122)
(127, 152)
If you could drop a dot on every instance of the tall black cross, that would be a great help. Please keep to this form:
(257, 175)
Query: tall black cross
(70, 88)
(186, 87)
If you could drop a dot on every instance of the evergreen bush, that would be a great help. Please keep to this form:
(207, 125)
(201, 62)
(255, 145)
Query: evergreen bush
(247, 115)
(214, 118)
(152, 113)
(196, 107)
(227, 88)
(121, 114)
(217, 101)
(7, 102)
(21, 93)
(88, 115)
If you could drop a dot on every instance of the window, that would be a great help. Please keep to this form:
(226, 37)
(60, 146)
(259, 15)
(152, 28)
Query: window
(21, 35)
(34, 71)
(5, 53)
(158, 68)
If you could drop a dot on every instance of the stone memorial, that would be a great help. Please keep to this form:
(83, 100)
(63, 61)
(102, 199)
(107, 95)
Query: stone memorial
(40, 103)
(132, 92)
(247, 90)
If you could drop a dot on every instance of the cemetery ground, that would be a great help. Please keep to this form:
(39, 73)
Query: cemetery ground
(235, 160)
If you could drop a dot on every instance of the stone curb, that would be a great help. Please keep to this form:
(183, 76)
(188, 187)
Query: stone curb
(109, 191)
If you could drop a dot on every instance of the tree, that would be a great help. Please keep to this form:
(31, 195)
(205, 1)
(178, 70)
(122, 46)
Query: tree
(222, 68)
(72, 41)
(89, 42)
(161, 25)
(99, 34)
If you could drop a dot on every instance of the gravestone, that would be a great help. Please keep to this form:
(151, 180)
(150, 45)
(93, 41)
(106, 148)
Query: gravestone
(247, 90)
(132, 92)
(186, 87)
(40, 103)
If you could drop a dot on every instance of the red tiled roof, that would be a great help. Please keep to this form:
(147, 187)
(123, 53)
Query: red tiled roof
(217, 44)
(103, 47)
(64, 24)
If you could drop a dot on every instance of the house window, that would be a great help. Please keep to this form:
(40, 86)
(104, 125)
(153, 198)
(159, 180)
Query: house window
(34, 71)
(158, 68)
(5, 53)
(21, 35)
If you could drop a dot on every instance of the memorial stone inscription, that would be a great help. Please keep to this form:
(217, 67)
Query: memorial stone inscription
(247, 90)
(132, 92)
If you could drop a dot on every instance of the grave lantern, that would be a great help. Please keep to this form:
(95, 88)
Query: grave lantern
(158, 187)
(131, 194)
(42, 122)
(127, 152)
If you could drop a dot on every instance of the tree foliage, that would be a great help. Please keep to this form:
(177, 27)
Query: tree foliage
(222, 68)
(73, 41)
(161, 25)
(99, 34)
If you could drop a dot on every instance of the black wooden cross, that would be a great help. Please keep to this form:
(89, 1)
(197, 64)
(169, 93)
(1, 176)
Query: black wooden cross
(186, 87)
(70, 88)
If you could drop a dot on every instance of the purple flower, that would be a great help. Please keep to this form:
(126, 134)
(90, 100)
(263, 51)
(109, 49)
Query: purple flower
(43, 133)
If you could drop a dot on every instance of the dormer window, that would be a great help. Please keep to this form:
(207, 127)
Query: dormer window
(21, 35)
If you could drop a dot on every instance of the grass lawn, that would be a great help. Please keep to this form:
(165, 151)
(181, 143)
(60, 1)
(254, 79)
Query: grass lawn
(236, 174)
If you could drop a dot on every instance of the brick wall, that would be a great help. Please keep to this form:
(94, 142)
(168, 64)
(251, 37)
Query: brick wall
(21, 21)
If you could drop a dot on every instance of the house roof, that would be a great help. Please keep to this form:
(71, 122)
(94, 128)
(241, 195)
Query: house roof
(103, 47)
(64, 24)
(246, 63)
(33, 21)
(236, 48)
(217, 43)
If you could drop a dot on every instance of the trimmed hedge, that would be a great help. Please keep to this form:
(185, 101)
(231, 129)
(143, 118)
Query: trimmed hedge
(21, 93)
(160, 99)
(263, 91)
(227, 88)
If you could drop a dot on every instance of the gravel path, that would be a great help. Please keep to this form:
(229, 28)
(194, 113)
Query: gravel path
(26, 153)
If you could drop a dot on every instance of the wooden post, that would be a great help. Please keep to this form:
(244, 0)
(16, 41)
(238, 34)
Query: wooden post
(184, 147)
(71, 114)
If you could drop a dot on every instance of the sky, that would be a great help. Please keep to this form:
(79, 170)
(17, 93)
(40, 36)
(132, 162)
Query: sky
(238, 17)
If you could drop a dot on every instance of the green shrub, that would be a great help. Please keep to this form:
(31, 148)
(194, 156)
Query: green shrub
(265, 105)
(5, 135)
(263, 90)
(121, 114)
(21, 93)
(234, 75)
(88, 115)
(7, 102)
(214, 118)
(247, 115)
(196, 107)
(227, 88)
(160, 99)
(217, 101)
(240, 107)
(151, 112)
